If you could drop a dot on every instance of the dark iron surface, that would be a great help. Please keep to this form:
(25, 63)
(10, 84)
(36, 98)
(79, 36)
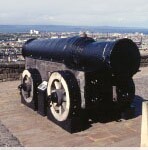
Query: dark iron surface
(121, 57)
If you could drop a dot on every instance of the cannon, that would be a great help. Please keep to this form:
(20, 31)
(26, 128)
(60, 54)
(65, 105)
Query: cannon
(64, 78)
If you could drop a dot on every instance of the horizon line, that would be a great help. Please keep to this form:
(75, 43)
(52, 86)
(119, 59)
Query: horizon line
(110, 26)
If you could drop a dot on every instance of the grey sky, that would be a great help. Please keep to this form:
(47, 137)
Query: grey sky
(75, 12)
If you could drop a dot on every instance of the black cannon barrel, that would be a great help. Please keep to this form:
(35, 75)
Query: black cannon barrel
(122, 57)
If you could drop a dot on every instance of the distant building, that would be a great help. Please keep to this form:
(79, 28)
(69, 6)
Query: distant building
(34, 32)
(54, 37)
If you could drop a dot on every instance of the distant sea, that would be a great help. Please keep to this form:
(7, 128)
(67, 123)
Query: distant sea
(62, 28)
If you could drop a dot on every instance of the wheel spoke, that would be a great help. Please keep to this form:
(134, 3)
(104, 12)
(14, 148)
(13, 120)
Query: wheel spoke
(54, 104)
(58, 85)
(64, 105)
(60, 110)
(56, 109)
(64, 98)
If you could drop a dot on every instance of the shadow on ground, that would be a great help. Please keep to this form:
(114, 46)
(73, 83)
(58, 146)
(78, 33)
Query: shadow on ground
(114, 113)
(138, 105)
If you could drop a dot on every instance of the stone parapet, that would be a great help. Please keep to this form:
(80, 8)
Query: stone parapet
(11, 71)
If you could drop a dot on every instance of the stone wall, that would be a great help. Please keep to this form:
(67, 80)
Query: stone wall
(144, 61)
(11, 71)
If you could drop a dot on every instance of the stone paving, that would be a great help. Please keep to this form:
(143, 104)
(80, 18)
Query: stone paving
(7, 139)
(34, 130)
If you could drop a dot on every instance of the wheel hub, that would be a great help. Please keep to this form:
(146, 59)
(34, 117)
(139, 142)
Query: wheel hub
(26, 84)
(57, 96)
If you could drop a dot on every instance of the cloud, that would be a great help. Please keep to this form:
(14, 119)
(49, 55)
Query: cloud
(75, 12)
